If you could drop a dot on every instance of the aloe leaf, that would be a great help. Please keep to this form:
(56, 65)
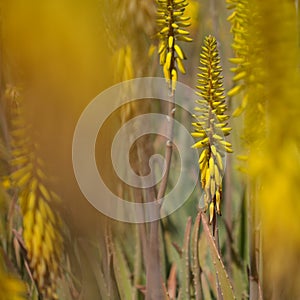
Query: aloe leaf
(122, 272)
(224, 281)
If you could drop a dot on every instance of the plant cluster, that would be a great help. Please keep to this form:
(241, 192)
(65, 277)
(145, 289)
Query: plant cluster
(232, 245)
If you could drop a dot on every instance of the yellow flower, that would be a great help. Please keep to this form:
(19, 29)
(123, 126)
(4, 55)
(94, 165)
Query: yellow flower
(211, 126)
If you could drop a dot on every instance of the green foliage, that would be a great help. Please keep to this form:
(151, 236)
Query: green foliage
(122, 272)
(224, 283)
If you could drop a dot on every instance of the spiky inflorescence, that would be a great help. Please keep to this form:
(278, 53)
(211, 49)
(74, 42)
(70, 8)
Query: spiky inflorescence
(136, 15)
(128, 33)
(171, 20)
(275, 164)
(42, 238)
(239, 20)
(211, 125)
(248, 73)
(134, 20)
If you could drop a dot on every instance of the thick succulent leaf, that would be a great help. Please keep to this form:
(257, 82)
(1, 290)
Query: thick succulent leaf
(122, 272)
(224, 281)
(195, 259)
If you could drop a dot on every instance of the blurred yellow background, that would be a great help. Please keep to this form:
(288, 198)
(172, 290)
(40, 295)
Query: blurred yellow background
(58, 53)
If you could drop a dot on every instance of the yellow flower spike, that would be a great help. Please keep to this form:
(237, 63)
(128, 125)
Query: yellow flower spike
(34, 198)
(210, 117)
(170, 16)
(247, 50)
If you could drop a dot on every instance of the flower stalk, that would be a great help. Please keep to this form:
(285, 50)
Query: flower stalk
(172, 22)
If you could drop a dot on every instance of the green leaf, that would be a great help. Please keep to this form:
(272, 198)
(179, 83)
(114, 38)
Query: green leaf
(224, 281)
(122, 272)
(195, 259)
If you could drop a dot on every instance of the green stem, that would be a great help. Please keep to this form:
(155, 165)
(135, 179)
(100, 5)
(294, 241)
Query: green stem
(154, 277)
